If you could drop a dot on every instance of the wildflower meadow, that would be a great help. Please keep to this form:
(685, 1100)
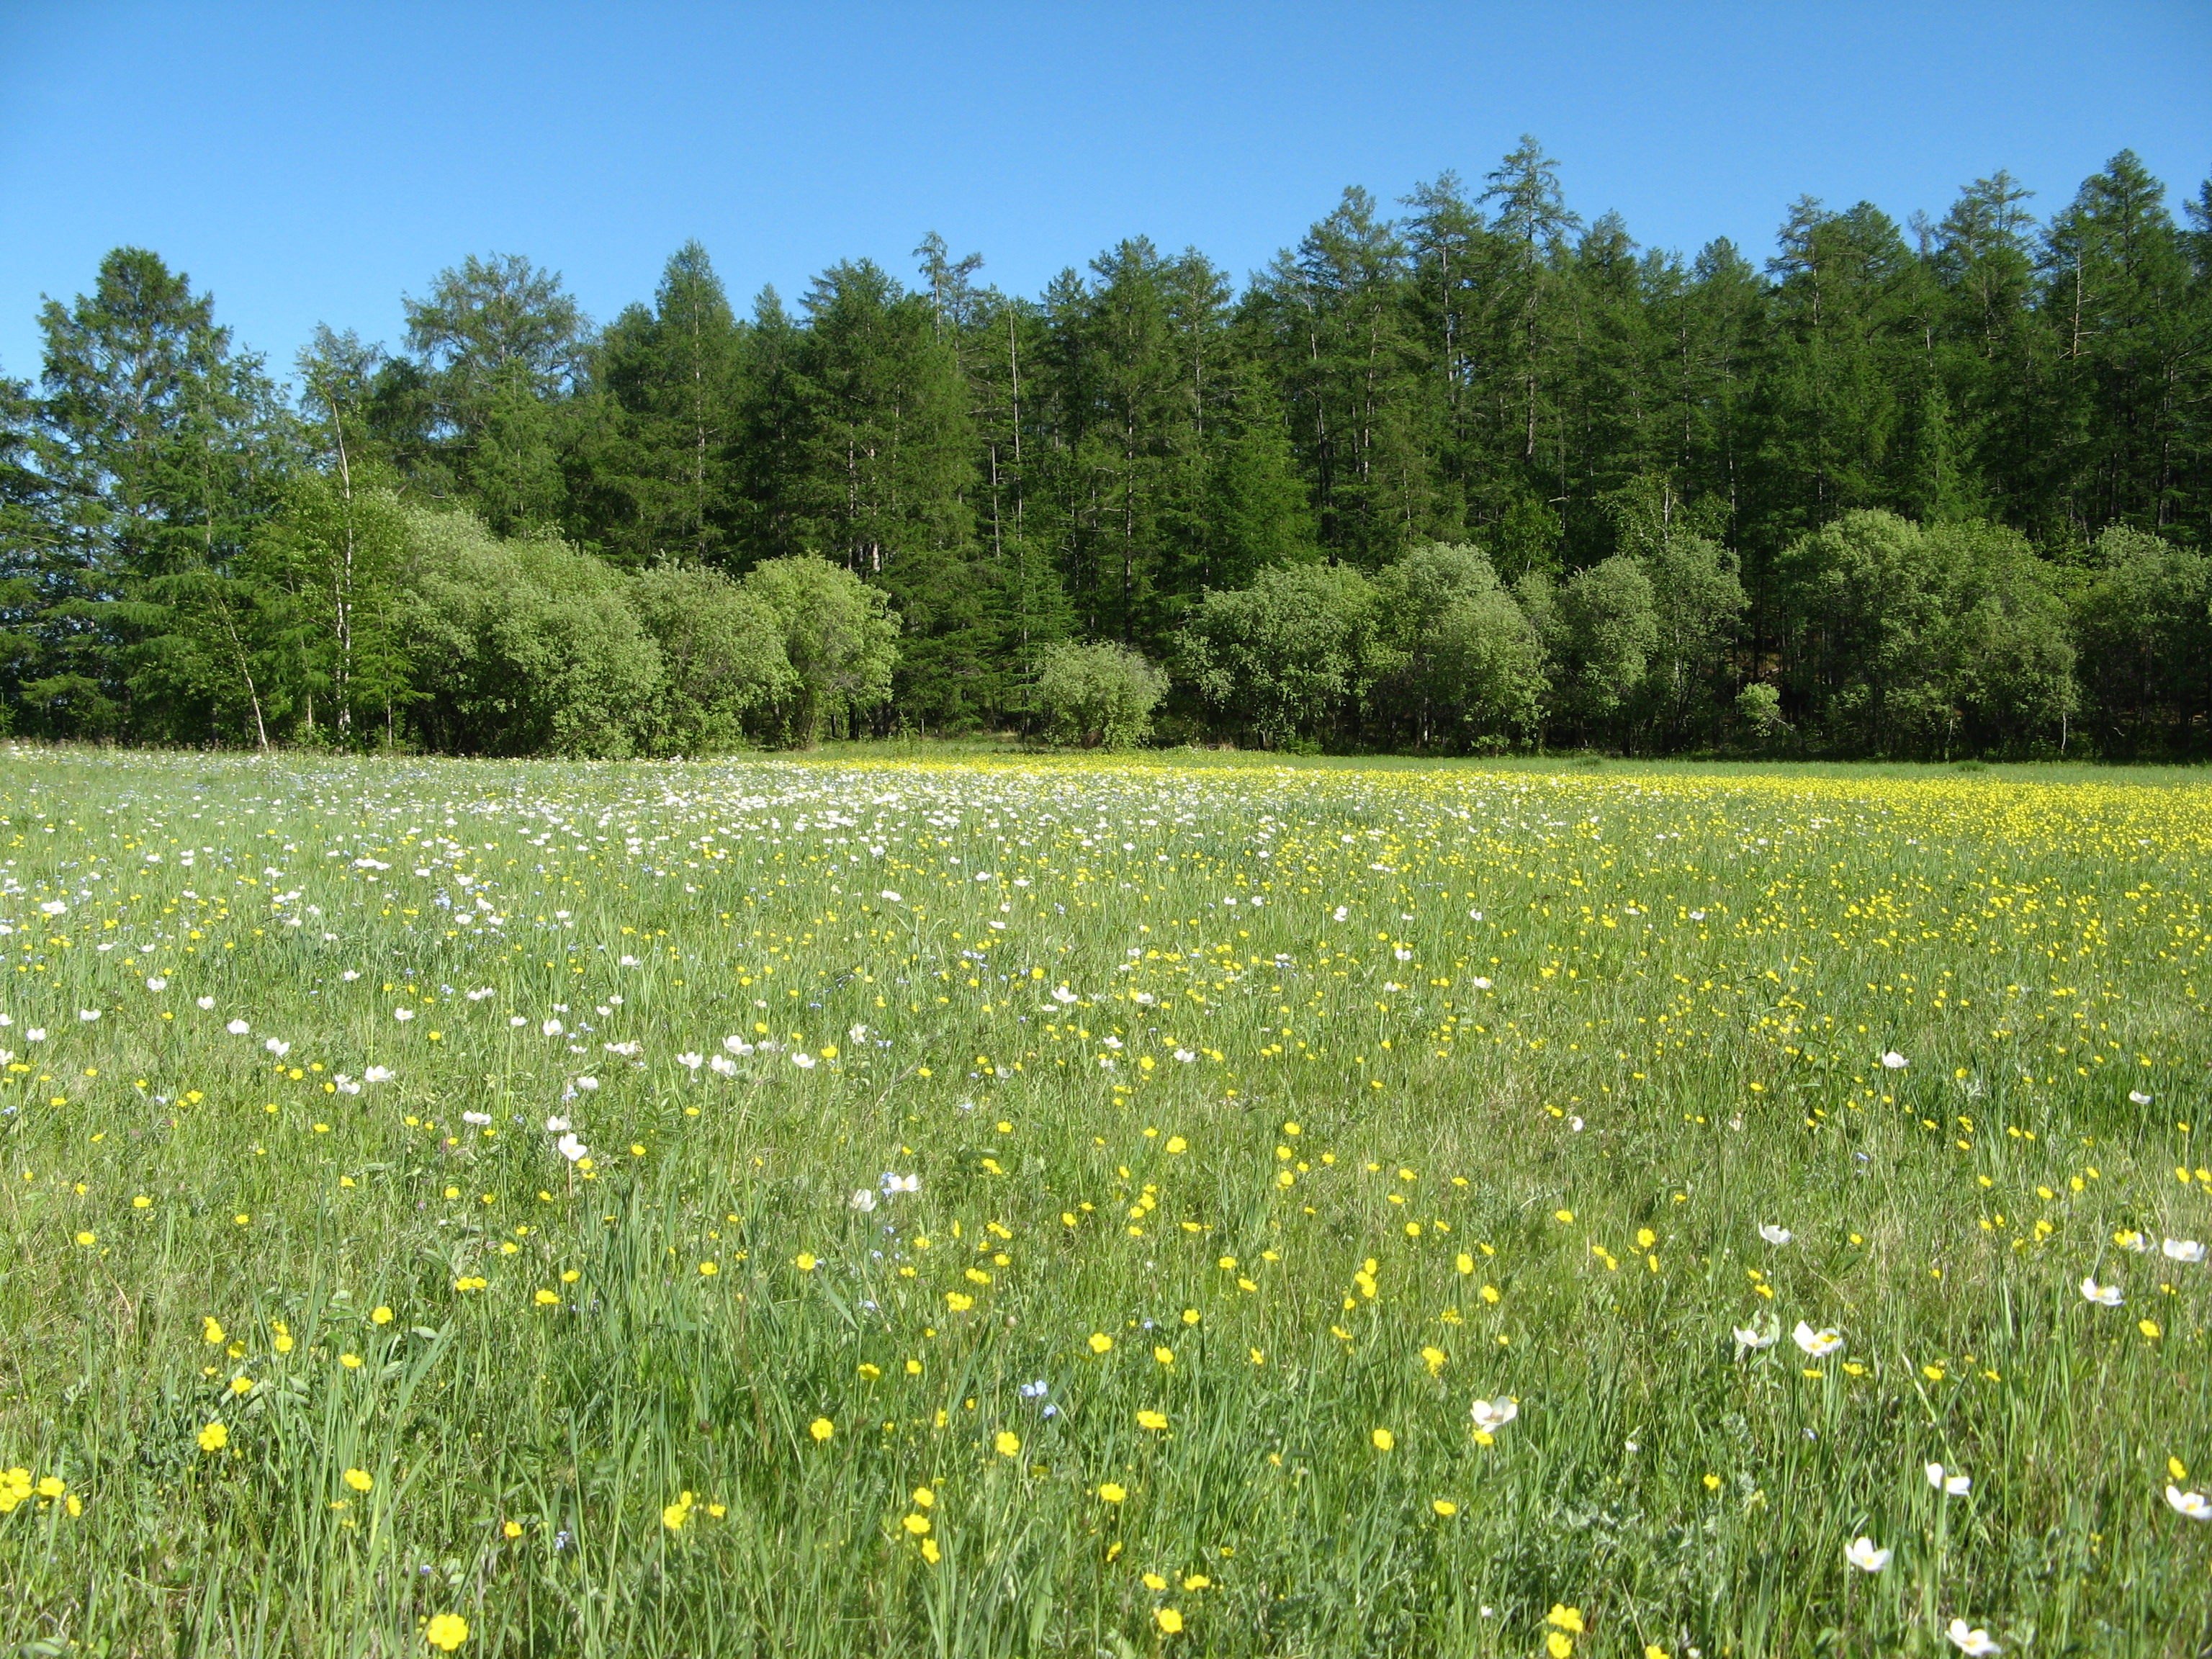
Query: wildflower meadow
(1057, 1206)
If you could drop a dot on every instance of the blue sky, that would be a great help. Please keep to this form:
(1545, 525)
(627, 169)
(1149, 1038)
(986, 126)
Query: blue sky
(311, 162)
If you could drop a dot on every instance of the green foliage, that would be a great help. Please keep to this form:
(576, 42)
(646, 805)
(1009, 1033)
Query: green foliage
(1101, 696)
(1459, 662)
(2144, 622)
(1293, 654)
(1602, 630)
(841, 642)
(521, 647)
(721, 654)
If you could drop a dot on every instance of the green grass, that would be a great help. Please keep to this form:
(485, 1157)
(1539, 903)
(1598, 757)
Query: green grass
(1692, 973)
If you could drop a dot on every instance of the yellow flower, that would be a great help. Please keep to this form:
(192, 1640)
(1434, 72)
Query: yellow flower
(1446, 1507)
(1567, 1619)
(1558, 1645)
(675, 1514)
(958, 1301)
(1112, 1491)
(821, 1428)
(1152, 1419)
(1653, 1650)
(511, 1529)
(547, 1299)
(210, 1332)
(242, 1385)
(1712, 1483)
(446, 1631)
(88, 1239)
(381, 1316)
(2149, 1327)
(930, 1552)
(916, 1524)
(1170, 1620)
(1383, 1439)
(1152, 1581)
(1165, 1356)
(803, 1262)
(1006, 1442)
(350, 1361)
(1100, 1342)
(214, 1438)
(707, 1269)
(1563, 1215)
(359, 1479)
(2177, 1469)
(923, 1497)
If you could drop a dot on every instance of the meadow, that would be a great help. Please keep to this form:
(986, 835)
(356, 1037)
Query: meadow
(1035, 1205)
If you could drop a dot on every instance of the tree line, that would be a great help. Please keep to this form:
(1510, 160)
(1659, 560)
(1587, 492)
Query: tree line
(1461, 473)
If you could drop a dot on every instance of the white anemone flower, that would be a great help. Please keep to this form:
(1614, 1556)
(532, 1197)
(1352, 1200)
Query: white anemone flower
(587, 1083)
(802, 1060)
(277, 1047)
(2194, 1505)
(378, 1074)
(724, 1066)
(34, 1034)
(88, 1014)
(572, 1149)
(403, 1015)
(1492, 1415)
(863, 1199)
(2104, 1295)
(901, 1184)
(2183, 1249)
(238, 1028)
(155, 982)
(551, 1027)
(2139, 1096)
(1750, 1337)
(890, 897)
(203, 1003)
(1773, 1234)
(1974, 1643)
(556, 1126)
(857, 1033)
(1893, 1061)
(1818, 1344)
(518, 1020)
(689, 1061)
(1480, 984)
(1861, 1553)
(737, 1045)
(480, 1119)
(1949, 1482)
(1062, 995)
(1185, 1055)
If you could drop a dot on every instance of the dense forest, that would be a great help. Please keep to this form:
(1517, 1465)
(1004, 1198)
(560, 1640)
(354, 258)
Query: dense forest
(1459, 475)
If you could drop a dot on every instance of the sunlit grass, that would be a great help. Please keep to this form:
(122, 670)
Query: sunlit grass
(1252, 1124)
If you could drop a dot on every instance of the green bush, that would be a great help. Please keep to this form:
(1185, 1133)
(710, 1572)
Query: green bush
(1101, 696)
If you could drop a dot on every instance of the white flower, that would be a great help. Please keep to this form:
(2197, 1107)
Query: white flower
(518, 1020)
(737, 1045)
(238, 1028)
(2194, 1505)
(1339, 913)
(889, 897)
(345, 1084)
(1143, 998)
(724, 1066)
(378, 1074)
(2139, 1096)
(203, 1003)
(1697, 915)
(277, 1047)
(863, 1199)
(1949, 1481)
(482, 991)
(626, 962)
(1893, 1061)
(690, 1061)
(1492, 1415)
(1773, 1234)
(34, 1034)
(572, 1149)
(556, 1126)
(2183, 1249)
(403, 1015)
(1109, 1042)
(551, 1027)
(1862, 1554)
(1816, 1343)
(1973, 1642)
(55, 907)
(155, 982)
(1480, 984)
(2104, 1295)
(1747, 1336)
(901, 1184)
(1185, 1055)
(351, 975)
(625, 1048)
(1063, 995)
(480, 1119)
(587, 1083)
(1402, 953)
(2129, 1239)
(88, 1014)
(802, 1060)
(857, 1033)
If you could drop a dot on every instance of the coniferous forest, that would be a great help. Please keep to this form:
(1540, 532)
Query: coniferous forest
(1461, 473)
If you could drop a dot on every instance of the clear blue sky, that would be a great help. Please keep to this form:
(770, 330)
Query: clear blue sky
(310, 162)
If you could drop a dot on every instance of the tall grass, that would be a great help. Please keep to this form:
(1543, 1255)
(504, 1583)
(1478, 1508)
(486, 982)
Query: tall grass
(1285, 1178)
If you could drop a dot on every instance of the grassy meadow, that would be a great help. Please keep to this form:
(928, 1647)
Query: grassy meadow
(997, 1205)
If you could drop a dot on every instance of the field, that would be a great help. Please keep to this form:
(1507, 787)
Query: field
(854, 1205)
